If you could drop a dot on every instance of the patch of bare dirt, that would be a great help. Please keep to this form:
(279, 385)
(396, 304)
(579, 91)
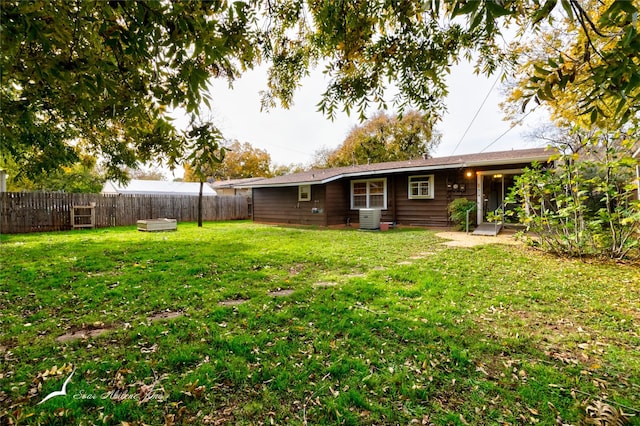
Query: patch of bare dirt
(83, 333)
(324, 284)
(281, 293)
(462, 239)
(355, 276)
(232, 302)
(296, 269)
(99, 328)
(165, 315)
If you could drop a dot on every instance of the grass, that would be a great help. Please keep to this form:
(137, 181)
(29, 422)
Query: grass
(381, 328)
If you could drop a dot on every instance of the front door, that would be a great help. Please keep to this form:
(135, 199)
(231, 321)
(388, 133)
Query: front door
(493, 189)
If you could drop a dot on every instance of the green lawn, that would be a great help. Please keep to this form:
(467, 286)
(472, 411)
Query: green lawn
(380, 328)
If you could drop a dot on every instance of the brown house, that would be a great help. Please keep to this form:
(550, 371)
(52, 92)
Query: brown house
(412, 193)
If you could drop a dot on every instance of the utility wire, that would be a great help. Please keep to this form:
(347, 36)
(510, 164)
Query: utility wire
(476, 114)
(508, 130)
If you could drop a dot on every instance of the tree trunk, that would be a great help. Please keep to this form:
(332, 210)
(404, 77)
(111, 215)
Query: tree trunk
(200, 205)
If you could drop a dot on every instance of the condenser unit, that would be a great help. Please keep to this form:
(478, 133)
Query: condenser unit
(370, 218)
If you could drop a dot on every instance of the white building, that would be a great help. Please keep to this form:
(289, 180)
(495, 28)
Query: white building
(157, 187)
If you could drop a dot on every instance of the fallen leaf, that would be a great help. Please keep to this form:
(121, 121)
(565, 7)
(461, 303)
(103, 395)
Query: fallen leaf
(464, 422)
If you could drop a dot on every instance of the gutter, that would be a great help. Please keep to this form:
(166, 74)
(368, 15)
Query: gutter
(357, 174)
(508, 161)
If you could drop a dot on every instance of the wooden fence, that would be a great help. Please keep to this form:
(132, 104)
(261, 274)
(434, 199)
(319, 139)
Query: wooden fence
(23, 212)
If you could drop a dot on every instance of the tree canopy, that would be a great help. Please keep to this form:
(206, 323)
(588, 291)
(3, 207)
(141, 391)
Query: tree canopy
(560, 63)
(241, 160)
(384, 138)
(103, 77)
(81, 177)
(365, 44)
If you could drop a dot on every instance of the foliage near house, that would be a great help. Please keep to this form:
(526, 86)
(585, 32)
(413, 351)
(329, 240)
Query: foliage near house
(460, 210)
(587, 205)
(557, 63)
(104, 77)
(377, 328)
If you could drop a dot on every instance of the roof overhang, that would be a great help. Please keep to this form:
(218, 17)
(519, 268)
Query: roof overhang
(424, 168)
(540, 158)
(355, 174)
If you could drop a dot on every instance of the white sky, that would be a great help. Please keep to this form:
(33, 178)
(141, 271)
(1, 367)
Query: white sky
(292, 136)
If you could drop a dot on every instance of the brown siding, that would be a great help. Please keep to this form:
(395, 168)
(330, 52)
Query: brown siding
(281, 205)
(388, 214)
(337, 202)
(403, 211)
(431, 212)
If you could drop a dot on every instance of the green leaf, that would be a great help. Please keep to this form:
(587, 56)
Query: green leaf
(548, 91)
(544, 11)
(621, 104)
(540, 70)
(566, 4)
(610, 16)
(631, 35)
(495, 10)
(465, 8)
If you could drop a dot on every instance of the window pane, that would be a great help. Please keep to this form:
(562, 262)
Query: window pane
(376, 201)
(360, 188)
(421, 186)
(368, 194)
(376, 187)
(360, 201)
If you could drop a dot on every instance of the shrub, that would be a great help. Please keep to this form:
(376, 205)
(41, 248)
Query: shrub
(585, 206)
(458, 212)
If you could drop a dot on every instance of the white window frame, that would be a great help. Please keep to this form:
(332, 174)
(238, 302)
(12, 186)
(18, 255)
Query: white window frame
(368, 194)
(419, 180)
(304, 193)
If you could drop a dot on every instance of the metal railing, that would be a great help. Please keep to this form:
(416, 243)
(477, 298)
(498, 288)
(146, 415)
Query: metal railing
(500, 215)
(467, 214)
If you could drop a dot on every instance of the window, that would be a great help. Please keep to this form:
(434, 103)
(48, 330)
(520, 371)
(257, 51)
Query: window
(304, 193)
(421, 187)
(369, 194)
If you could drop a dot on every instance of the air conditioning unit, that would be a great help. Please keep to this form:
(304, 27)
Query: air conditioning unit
(370, 218)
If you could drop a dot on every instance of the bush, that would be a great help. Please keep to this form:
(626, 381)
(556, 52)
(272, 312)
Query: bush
(585, 206)
(458, 212)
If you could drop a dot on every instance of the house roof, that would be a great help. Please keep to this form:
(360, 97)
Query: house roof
(156, 187)
(321, 176)
(232, 183)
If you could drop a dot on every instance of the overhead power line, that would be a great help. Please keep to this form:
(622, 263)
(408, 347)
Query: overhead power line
(477, 113)
(508, 130)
